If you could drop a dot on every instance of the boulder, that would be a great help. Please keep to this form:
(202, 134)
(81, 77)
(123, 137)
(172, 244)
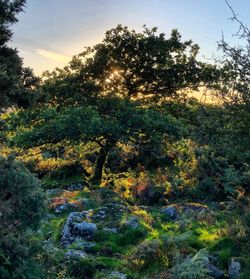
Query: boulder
(75, 254)
(84, 229)
(65, 207)
(85, 245)
(132, 222)
(76, 228)
(194, 207)
(215, 272)
(170, 212)
(234, 269)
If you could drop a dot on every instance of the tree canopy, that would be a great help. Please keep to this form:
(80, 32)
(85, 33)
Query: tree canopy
(100, 96)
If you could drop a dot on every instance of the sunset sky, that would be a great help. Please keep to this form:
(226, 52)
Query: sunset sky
(49, 32)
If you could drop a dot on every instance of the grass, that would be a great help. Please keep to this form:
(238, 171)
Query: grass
(187, 235)
(53, 228)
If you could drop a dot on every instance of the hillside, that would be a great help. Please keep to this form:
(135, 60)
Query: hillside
(111, 167)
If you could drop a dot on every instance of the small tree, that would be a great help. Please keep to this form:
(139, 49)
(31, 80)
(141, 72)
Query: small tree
(235, 85)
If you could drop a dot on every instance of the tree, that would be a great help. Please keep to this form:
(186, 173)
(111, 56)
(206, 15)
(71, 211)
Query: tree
(21, 199)
(100, 95)
(235, 89)
(112, 121)
(14, 88)
(145, 65)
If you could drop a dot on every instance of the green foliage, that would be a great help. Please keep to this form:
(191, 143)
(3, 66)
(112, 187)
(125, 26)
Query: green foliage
(100, 95)
(86, 267)
(122, 100)
(149, 254)
(146, 64)
(120, 242)
(101, 124)
(191, 267)
(17, 84)
(22, 206)
(22, 202)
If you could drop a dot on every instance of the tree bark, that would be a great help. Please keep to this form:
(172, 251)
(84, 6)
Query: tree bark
(97, 175)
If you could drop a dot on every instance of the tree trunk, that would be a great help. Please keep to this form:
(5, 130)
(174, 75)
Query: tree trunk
(97, 175)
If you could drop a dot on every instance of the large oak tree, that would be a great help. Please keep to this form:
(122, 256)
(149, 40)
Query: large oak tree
(111, 93)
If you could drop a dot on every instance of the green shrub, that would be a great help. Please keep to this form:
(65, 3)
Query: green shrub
(131, 236)
(84, 268)
(148, 255)
(191, 267)
(21, 206)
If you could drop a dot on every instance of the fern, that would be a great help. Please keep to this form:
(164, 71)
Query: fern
(191, 267)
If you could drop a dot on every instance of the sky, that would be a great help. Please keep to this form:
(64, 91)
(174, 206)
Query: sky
(50, 32)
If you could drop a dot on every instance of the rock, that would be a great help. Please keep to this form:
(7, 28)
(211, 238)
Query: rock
(170, 211)
(65, 207)
(85, 245)
(215, 272)
(213, 260)
(54, 192)
(117, 275)
(75, 228)
(132, 222)
(234, 269)
(67, 237)
(74, 187)
(84, 229)
(194, 207)
(75, 254)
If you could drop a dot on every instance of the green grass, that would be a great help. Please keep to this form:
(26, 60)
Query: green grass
(53, 228)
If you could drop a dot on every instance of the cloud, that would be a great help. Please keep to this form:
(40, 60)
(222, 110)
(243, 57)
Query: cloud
(53, 55)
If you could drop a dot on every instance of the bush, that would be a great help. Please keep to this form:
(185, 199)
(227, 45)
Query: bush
(21, 206)
(147, 191)
(148, 255)
(191, 267)
(84, 268)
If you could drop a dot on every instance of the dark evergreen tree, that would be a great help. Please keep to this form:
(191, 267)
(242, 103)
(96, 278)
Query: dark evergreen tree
(14, 88)
(21, 198)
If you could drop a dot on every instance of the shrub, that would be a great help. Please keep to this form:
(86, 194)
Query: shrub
(148, 255)
(84, 268)
(131, 236)
(191, 267)
(21, 206)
